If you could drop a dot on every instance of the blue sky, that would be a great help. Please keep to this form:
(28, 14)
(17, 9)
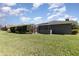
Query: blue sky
(34, 13)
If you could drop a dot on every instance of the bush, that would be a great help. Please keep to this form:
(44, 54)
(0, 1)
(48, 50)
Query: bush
(12, 29)
(74, 31)
(29, 32)
(21, 30)
(4, 28)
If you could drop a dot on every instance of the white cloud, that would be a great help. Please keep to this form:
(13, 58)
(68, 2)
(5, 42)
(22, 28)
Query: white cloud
(21, 9)
(50, 17)
(71, 18)
(2, 15)
(55, 5)
(57, 11)
(61, 10)
(38, 20)
(66, 16)
(61, 19)
(16, 12)
(53, 15)
(6, 9)
(24, 19)
(27, 20)
(36, 5)
(10, 4)
(48, 14)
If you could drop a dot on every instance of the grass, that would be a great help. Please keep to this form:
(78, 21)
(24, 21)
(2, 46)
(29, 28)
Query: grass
(38, 44)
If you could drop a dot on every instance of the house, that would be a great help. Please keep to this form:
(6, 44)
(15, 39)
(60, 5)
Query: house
(55, 27)
(21, 29)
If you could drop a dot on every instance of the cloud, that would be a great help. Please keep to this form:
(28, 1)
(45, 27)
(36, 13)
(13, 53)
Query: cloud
(55, 5)
(35, 20)
(48, 14)
(6, 9)
(71, 18)
(53, 16)
(2, 16)
(57, 10)
(61, 19)
(16, 12)
(58, 13)
(9, 4)
(25, 20)
(61, 10)
(38, 20)
(36, 5)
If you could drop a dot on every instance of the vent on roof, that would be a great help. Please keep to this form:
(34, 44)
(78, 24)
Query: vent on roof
(67, 19)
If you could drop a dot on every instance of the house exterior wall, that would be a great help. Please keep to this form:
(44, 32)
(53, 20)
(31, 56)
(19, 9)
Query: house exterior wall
(21, 29)
(43, 29)
(56, 29)
(62, 29)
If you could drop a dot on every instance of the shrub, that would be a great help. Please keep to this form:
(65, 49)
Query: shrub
(74, 31)
(21, 29)
(30, 32)
(4, 28)
(12, 29)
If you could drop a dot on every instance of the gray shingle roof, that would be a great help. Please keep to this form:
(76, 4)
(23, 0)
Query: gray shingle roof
(57, 22)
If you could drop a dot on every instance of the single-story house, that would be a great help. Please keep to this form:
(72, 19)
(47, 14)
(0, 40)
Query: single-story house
(55, 27)
(21, 28)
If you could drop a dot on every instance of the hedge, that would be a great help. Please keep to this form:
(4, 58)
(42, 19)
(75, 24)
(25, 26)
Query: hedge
(75, 31)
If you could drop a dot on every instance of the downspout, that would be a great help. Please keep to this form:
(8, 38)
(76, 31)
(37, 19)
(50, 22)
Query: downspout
(50, 27)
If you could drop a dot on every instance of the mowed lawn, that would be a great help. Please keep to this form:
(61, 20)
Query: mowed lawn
(38, 44)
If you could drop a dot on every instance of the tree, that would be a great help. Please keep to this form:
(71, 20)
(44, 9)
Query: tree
(4, 28)
(74, 25)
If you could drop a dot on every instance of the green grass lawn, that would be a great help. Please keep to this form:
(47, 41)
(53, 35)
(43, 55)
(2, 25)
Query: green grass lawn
(38, 44)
